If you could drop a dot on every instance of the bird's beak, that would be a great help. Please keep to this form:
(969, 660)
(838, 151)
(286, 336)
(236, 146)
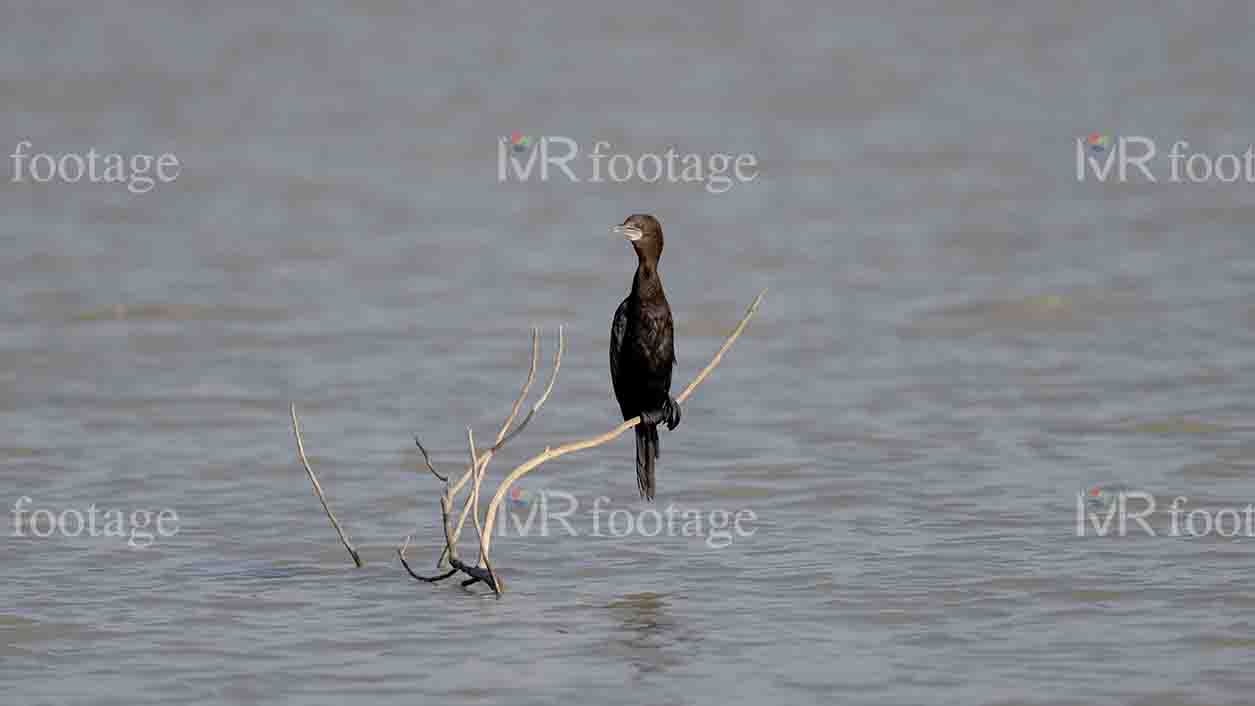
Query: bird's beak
(630, 232)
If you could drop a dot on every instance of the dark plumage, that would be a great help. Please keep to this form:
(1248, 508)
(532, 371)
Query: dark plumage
(642, 349)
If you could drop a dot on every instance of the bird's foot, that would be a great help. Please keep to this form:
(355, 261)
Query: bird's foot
(668, 413)
(673, 414)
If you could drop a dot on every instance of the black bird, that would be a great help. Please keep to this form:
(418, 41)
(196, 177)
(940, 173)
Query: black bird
(642, 349)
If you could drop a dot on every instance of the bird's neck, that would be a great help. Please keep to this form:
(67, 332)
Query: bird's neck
(647, 284)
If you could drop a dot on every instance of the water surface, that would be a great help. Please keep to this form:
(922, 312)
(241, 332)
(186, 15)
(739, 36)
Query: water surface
(958, 338)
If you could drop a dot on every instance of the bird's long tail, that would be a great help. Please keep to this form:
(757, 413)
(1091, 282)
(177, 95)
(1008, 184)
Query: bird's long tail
(646, 454)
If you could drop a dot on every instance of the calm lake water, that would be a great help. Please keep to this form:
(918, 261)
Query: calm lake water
(958, 339)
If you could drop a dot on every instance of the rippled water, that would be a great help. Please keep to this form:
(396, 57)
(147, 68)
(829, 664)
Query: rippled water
(958, 338)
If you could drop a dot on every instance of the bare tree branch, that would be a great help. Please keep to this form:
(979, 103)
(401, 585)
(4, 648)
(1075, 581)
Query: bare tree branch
(503, 437)
(736, 333)
(527, 385)
(477, 468)
(427, 459)
(406, 564)
(492, 580)
(471, 470)
(300, 449)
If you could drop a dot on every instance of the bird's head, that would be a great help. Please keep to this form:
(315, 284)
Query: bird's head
(645, 233)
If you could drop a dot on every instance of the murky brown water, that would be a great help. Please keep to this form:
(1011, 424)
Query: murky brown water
(958, 338)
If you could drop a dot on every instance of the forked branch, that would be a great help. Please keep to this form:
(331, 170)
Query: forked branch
(478, 466)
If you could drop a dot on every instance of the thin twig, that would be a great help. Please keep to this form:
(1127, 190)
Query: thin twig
(518, 402)
(300, 448)
(472, 471)
(444, 523)
(527, 385)
(736, 332)
(491, 580)
(406, 564)
(553, 376)
(427, 460)
(503, 440)
(479, 479)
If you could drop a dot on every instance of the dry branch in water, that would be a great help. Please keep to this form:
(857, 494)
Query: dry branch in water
(300, 450)
(478, 467)
(472, 477)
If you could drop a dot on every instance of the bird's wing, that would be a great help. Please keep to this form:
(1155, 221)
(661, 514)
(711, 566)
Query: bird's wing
(617, 331)
(669, 347)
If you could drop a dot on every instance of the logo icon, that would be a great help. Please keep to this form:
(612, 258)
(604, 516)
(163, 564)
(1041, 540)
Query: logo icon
(520, 143)
(1103, 497)
(1098, 143)
(519, 498)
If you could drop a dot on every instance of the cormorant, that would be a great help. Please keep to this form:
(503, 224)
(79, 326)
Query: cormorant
(642, 349)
